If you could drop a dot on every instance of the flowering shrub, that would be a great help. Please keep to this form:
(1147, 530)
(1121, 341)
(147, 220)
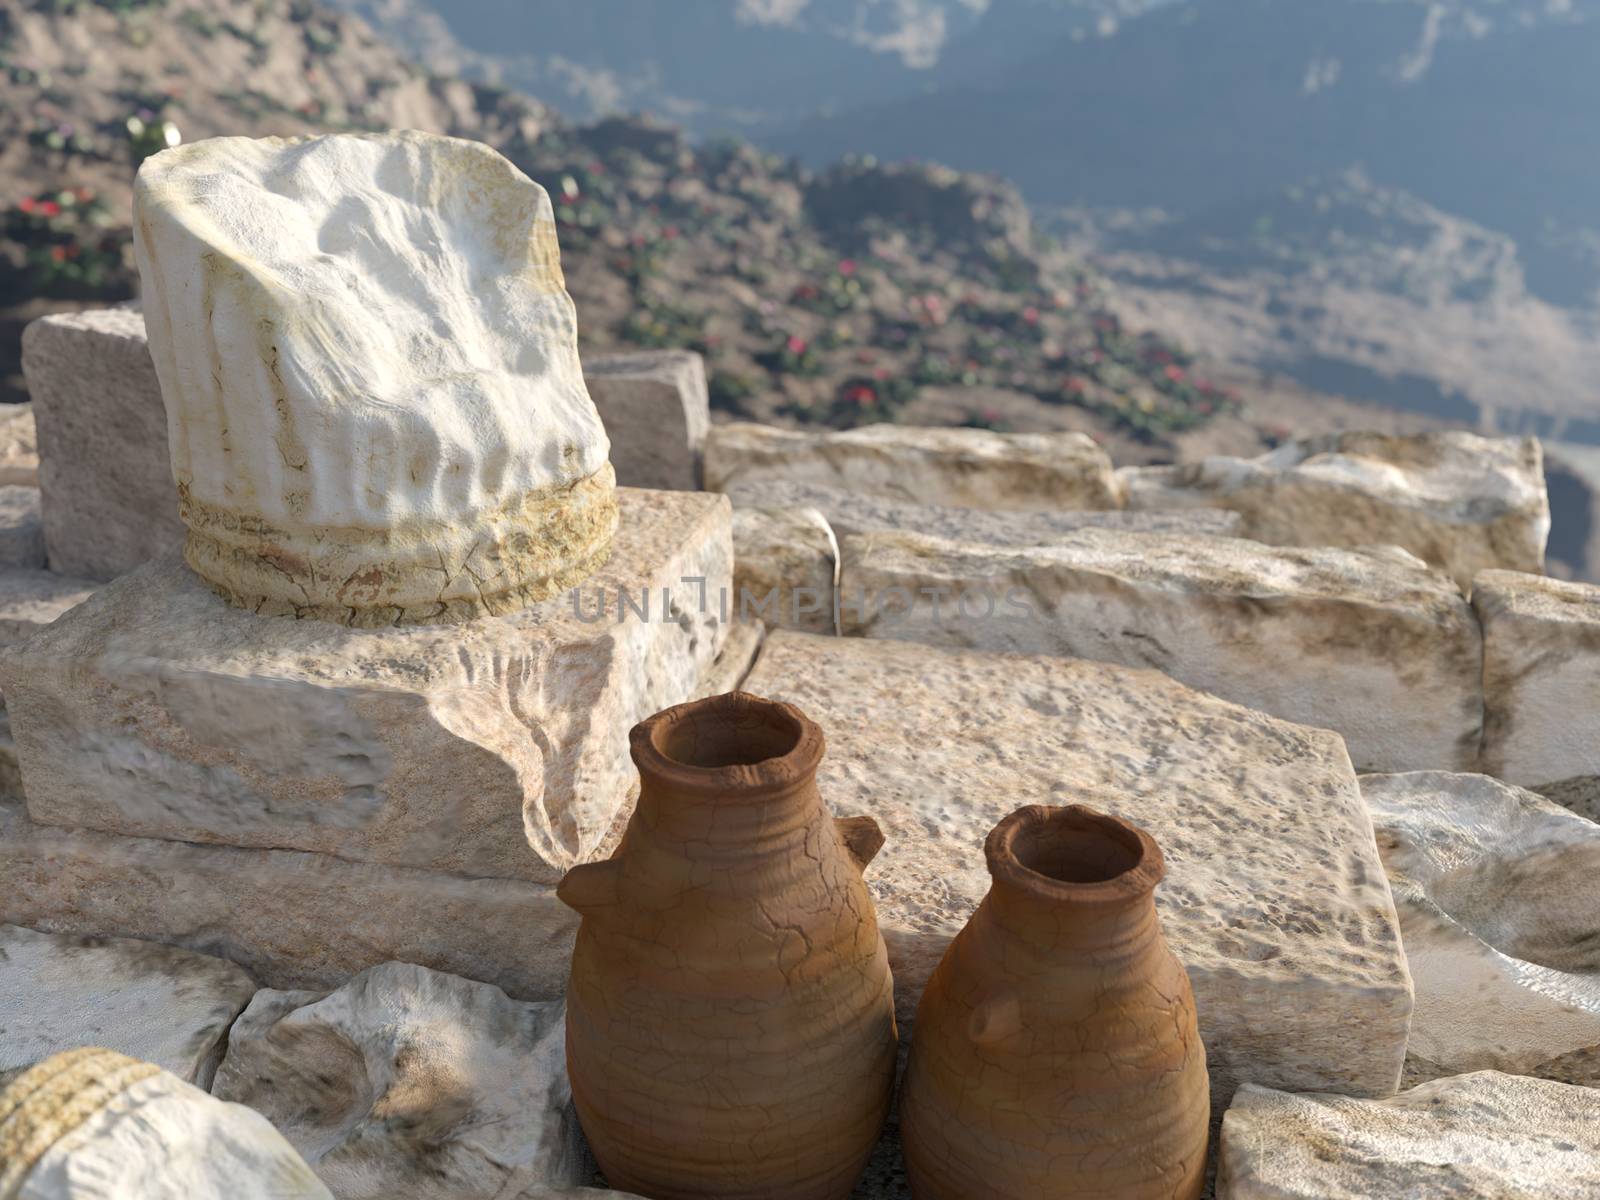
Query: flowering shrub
(71, 246)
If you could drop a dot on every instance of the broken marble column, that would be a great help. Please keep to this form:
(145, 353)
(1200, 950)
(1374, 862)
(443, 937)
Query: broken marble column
(1369, 643)
(785, 568)
(154, 1002)
(969, 468)
(1498, 892)
(1275, 899)
(293, 920)
(497, 747)
(657, 411)
(21, 529)
(1459, 502)
(92, 1124)
(1484, 1136)
(106, 471)
(375, 406)
(850, 512)
(19, 446)
(409, 1084)
(1541, 685)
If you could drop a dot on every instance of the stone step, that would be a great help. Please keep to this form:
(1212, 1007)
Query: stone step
(495, 748)
(1275, 897)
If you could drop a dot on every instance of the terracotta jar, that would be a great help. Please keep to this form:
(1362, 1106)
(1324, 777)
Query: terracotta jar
(1055, 1052)
(730, 1018)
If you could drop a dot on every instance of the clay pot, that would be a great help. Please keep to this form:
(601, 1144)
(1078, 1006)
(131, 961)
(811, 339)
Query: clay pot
(730, 1017)
(1055, 1051)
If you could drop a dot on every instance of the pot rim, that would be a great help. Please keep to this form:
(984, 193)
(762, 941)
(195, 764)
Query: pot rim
(792, 767)
(1136, 881)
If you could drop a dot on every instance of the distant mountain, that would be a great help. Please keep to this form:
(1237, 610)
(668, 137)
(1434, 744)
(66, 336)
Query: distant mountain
(1490, 114)
(727, 65)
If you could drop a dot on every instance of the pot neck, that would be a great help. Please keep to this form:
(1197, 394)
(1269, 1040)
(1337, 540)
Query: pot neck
(733, 774)
(1072, 881)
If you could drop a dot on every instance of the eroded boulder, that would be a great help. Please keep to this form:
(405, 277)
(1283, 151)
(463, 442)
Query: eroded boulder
(408, 1084)
(1459, 502)
(1498, 892)
(1484, 1136)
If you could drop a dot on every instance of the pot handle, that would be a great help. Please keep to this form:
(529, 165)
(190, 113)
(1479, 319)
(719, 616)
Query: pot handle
(589, 886)
(997, 1017)
(861, 837)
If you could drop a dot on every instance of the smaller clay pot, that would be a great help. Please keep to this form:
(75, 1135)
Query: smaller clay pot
(1055, 1053)
(730, 1016)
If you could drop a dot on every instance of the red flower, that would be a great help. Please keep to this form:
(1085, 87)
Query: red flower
(670, 233)
(58, 253)
(50, 208)
(797, 344)
(847, 266)
(1031, 315)
(862, 395)
(27, 204)
(1176, 374)
(880, 373)
(1075, 385)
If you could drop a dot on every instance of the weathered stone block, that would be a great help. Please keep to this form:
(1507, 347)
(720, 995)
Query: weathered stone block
(292, 920)
(1484, 1136)
(1370, 644)
(1275, 898)
(859, 512)
(972, 468)
(21, 529)
(1499, 898)
(158, 1003)
(30, 600)
(109, 503)
(19, 446)
(410, 1084)
(657, 412)
(785, 567)
(1541, 685)
(496, 748)
(1457, 501)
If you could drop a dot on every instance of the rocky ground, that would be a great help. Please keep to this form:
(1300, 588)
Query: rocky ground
(858, 294)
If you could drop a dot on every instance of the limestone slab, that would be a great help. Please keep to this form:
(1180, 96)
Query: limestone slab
(1484, 1136)
(292, 920)
(91, 1124)
(859, 512)
(21, 528)
(971, 468)
(109, 502)
(494, 748)
(370, 365)
(168, 1006)
(1541, 684)
(1275, 898)
(657, 411)
(1460, 502)
(1498, 892)
(785, 567)
(1370, 644)
(30, 600)
(19, 446)
(411, 1084)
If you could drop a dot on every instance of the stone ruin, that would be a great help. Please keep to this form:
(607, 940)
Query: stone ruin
(324, 624)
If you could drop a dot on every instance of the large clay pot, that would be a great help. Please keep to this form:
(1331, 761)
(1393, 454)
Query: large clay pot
(1055, 1052)
(730, 1018)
